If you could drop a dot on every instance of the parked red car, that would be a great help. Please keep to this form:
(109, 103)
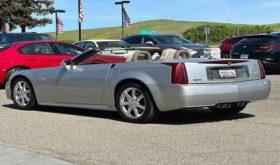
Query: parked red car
(228, 44)
(34, 54)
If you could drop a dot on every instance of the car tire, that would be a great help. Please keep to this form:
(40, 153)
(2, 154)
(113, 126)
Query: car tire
(135, 104)
(23, 94)
(11, 72)
(229, 109)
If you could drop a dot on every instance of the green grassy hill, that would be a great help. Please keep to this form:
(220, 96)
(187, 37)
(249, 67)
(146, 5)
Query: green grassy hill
(163, 26)
(276, 27)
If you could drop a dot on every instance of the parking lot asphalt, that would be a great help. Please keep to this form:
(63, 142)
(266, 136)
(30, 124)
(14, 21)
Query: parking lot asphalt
(195, 136)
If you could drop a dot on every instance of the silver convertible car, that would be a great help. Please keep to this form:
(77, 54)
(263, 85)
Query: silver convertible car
(140, 90)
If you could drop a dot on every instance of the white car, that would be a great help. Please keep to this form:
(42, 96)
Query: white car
(102, 44)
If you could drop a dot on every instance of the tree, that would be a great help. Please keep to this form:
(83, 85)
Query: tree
(22, 12)
(6, 11)
(218, 33)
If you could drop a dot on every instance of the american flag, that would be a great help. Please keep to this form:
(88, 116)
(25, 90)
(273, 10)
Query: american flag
(81, 11)
(59, 25)
(6, 27)
(126, 19)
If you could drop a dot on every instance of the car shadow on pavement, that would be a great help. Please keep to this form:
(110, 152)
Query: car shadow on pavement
(179, 117)
(197, 115)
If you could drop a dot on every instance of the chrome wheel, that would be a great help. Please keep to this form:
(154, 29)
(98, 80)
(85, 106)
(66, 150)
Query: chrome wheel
(22, 93)
(132, 103)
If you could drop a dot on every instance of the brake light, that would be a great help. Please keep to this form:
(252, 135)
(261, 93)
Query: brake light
(267, 47)
(178, 73)
(262, 71)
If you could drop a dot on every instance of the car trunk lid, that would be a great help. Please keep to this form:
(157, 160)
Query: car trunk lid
(221, 71)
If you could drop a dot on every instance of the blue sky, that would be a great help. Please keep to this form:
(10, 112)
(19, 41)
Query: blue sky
(104, 13)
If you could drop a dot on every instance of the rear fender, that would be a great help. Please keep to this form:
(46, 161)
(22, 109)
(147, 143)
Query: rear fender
(115, 78)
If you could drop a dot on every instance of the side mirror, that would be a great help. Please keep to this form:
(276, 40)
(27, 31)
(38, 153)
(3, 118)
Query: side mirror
(150, 43)
(67, 64)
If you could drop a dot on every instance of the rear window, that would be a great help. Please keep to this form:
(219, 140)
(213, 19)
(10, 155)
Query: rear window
(235, 40)
(259, 40)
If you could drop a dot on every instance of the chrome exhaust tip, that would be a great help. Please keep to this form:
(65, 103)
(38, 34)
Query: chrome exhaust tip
(241, 104)
(223, 106)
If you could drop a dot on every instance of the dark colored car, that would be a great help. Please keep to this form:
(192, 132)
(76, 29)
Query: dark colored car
(265, 48)
(9, 38)
(164, 41)
(34, 54)
(228, 44)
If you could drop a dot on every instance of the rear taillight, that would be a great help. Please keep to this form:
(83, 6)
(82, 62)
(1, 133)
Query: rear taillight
(178, 73)
(267, 47)
(262, 71)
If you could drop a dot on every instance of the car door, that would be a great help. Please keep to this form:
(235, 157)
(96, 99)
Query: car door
(84, 84)
(40, 55)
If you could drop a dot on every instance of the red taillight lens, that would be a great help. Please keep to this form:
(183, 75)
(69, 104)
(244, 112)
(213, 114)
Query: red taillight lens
(178, 73)
(262, 71)
(267, 47)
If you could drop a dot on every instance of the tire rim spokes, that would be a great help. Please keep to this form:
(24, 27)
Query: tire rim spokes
(132, 103)
(22, 93)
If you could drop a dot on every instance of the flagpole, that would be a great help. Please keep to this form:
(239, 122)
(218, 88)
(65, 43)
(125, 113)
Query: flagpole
(122, 22)
(122, 10)
(56, 30)
(80, 24)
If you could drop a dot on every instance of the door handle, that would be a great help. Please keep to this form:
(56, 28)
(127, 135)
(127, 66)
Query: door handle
(31, 59)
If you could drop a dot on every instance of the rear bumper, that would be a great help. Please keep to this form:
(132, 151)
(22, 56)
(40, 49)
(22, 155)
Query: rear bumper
(171, 97)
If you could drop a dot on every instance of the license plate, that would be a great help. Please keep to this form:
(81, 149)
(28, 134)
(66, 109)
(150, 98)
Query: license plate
(244, 56)
(229, 73)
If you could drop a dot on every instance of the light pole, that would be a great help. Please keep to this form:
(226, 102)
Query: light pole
(238, 28)
(122, 10)
(57, 11)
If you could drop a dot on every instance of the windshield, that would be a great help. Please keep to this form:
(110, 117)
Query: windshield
(171, 39)
(111, 44)
(258, 40)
